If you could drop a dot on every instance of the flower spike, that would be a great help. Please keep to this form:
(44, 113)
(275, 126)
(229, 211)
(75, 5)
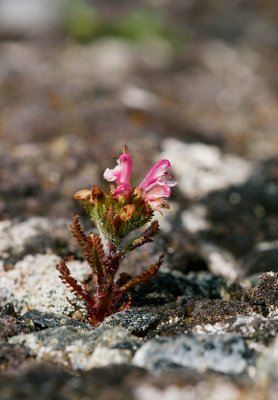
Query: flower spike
(117, 213)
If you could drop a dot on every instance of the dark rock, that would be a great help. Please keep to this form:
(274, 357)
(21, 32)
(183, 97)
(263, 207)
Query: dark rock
(168, 286)
(262, 259)
(264, 297)
(42, 320)
(11, 356)
(138, 322)
(8, 309)
(206, 284)
(52, 382)
(10, 326)
(203, 311)
(164, 287)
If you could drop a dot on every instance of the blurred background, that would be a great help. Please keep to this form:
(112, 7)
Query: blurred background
(81, 78)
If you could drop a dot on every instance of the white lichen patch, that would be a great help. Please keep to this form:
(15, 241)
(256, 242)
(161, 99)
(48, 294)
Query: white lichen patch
(201, 168)
(34, 284)
(221, 262)
(195, 219)
(33, 236)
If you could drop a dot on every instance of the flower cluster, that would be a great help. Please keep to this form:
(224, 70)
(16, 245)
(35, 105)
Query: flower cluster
(154, 188)
(117, 214)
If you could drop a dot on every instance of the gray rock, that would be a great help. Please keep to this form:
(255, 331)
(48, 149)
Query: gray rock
(78, 348)
(226, 354)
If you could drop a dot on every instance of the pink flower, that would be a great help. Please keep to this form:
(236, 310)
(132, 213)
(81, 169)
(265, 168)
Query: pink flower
(155, 187)
(121, 174)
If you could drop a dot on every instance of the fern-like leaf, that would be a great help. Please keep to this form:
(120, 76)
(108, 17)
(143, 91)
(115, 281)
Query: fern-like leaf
(152, 230)
(74, 286)
(95, 257)
(77, 232)
(145, 238)
(138, 242)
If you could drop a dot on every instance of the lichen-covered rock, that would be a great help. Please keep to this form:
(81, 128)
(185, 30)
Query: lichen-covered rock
(255, 327)
(227, 354)
(78, 348)
(33, 283)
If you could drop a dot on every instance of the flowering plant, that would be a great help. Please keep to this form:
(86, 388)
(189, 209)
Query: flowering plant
(117, 214)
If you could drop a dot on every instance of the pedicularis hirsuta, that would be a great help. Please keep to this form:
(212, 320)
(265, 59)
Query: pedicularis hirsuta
(119, 215)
